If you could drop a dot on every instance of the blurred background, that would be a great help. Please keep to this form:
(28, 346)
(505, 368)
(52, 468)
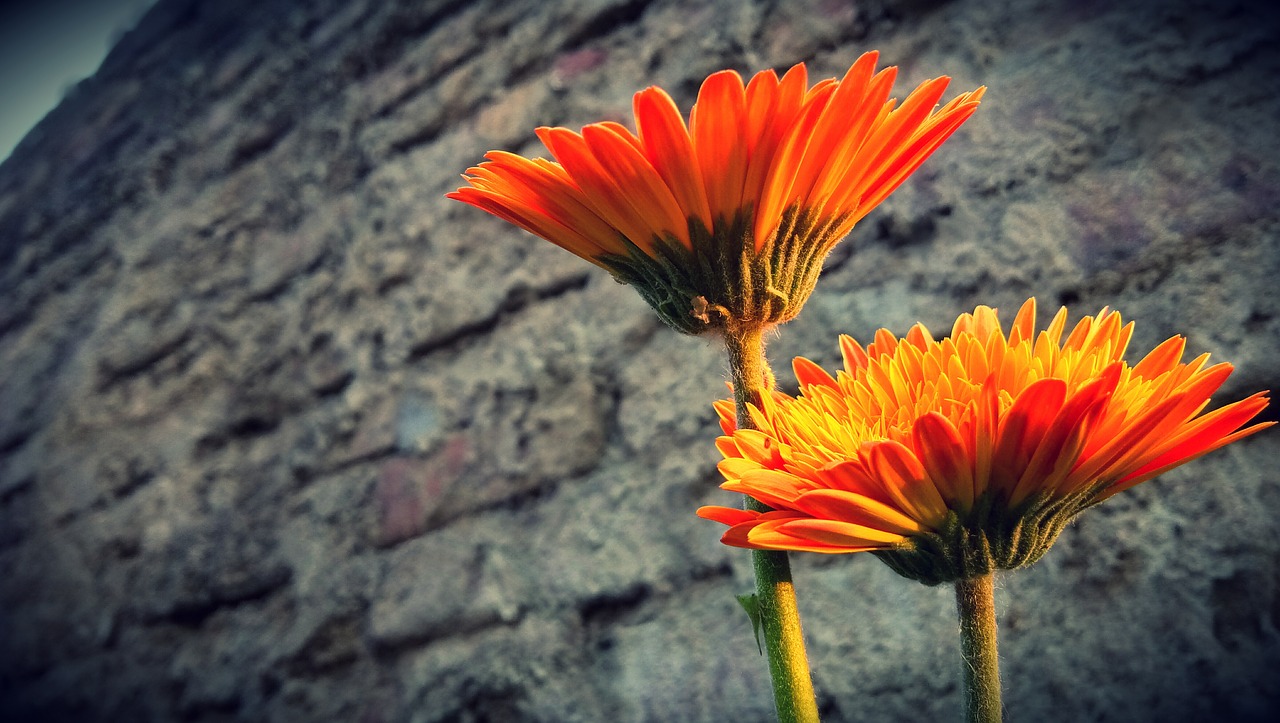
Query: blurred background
(285, 435)
(47, 47)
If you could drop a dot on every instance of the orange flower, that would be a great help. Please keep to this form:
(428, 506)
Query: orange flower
(951, 458)
(729, 218)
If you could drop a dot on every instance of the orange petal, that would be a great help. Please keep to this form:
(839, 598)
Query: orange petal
(831, 196)
(776, 195)
(762, 534)
(760, 104)
(757, 446)
(544, 186)
(1202, 436)
(717, 129)
(942, 452)
(738, 535)
(888, 139)
(852, 476)
(774, 488)
(766, 536)
(1104, 456)
(648, 194)
(839, 534)
(809, 374)
(986, 427)
(1022, 430)
(840, 130)
(905, 480)
(728, 414)
(1161, 359)
(859, 509)
(735, 467)
(531, 221)
(909, 158)
(727, 515)
(599, 188)
(785, 103)
(1024, 325)
(1192, 397)
(622, 132)
(670, 149)
(1058, 448)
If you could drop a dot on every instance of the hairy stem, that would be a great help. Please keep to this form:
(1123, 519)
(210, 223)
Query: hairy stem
(775, 595)
(975, 603)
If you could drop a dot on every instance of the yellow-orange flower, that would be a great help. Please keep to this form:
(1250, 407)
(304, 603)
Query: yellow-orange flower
(726, 219)
(951, 458)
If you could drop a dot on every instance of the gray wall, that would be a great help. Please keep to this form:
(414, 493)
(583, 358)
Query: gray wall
(285, 435)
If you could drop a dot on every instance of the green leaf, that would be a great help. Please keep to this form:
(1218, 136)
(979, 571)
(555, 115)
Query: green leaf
(751, 604)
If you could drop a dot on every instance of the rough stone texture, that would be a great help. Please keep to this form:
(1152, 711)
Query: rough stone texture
(284, 435)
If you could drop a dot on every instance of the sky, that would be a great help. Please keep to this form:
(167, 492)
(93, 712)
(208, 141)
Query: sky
(47, 46)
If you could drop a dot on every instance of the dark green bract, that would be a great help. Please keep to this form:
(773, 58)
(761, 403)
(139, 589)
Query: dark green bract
(723, 280)
(989, 537)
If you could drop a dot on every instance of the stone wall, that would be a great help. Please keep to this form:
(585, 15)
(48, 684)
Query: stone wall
(285, 435)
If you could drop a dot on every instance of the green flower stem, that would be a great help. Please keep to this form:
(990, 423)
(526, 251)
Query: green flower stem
(975, 603)
(775, 595)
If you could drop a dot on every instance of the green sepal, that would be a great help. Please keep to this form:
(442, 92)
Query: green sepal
(990, 536)
(751, 604)
(720, 278)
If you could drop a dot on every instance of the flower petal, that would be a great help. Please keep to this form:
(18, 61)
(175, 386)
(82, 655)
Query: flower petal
(717, 125)
(775, 489)
(670, 149)
(828, 504)
(945, 457)
(603, 192)
(1213, 430)
(727, 515)
(1023, 429)
(839, 534)
(905, 480)
(645, 190)
(809, 374)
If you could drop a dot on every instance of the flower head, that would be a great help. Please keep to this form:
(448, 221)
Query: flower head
(727, 219)
(951, 458)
